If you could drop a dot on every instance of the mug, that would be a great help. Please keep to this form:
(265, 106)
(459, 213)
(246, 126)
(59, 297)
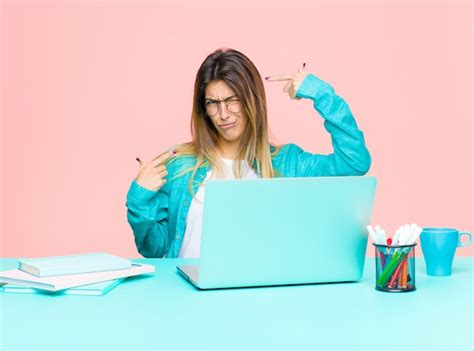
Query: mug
(439, 246)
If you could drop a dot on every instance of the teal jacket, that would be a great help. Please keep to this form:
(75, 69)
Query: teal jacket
(158, 218)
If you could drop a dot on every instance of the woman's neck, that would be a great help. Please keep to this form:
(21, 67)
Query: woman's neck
(228, 151)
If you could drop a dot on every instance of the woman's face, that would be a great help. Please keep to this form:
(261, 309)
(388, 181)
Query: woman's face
(227, 115)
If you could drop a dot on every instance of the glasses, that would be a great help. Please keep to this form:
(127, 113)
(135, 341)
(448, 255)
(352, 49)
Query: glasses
(232, 104)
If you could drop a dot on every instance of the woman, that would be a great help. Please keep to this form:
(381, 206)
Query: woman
(230, 140)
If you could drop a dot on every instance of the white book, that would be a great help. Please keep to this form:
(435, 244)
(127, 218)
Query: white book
(96, 289)
(56, 283)
(72, 264)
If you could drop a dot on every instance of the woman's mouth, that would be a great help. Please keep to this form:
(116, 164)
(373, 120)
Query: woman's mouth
(227, 126)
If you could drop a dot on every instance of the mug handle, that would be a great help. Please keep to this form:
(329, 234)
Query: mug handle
(467, 243)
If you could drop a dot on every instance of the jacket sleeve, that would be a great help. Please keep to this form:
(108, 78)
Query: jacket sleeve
(350, 156)
(147, 214)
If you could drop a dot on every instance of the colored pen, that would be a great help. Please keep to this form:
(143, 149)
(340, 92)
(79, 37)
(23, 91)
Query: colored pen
(407, 235)
(403, 282)
(391, 283)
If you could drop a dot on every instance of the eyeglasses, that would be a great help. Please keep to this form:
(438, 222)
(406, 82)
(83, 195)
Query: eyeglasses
(232, 104)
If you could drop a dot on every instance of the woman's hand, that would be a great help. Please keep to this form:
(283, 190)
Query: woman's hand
(151, 175)
(293, 81)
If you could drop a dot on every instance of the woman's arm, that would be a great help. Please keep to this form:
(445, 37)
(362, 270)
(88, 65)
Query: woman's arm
(147, 214)
(350, 156)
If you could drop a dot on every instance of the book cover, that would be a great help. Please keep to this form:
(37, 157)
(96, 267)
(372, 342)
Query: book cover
(62, 282)
(73, 264)
(96, 289)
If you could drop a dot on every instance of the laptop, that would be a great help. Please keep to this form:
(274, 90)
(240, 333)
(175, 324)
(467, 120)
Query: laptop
(283, 231)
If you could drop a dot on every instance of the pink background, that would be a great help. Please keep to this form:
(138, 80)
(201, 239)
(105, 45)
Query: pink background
(87, 86)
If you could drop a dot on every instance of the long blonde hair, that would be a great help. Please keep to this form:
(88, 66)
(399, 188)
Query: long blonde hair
(236, 69)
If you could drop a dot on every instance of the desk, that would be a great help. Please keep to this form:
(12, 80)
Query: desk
(164, 311)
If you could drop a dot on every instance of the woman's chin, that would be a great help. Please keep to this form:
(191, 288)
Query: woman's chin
(230, 137)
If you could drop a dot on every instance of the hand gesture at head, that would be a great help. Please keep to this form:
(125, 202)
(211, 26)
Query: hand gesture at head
(293, 81)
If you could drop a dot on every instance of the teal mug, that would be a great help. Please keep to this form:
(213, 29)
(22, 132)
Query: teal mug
(439, 246)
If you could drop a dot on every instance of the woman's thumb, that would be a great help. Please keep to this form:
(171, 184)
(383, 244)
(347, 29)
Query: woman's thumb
(139, 161)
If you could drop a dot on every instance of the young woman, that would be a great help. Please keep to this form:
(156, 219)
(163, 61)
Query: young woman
(229, 128)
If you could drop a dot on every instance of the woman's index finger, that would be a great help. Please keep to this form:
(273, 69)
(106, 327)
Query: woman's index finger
(162, 157)
(280, 77)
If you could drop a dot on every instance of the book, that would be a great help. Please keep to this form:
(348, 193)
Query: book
(61, 282)
(96, 289)
(73, 264)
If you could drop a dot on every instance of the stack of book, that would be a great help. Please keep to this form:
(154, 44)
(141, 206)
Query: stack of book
(86, 274)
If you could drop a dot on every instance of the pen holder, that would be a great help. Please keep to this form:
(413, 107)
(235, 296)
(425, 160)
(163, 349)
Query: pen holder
(395, 268)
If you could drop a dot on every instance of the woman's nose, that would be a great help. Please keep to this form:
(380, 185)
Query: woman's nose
(223, 113)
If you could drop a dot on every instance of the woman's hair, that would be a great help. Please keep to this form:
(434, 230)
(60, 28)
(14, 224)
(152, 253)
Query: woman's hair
(235, 69)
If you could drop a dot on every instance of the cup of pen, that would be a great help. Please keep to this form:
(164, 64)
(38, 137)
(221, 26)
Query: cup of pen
(395, 268)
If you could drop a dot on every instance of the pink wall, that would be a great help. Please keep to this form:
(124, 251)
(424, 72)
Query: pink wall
(87, 86)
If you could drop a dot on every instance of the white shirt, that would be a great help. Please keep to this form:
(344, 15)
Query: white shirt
(191, 245)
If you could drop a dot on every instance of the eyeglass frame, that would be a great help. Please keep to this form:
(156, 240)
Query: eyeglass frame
(219, 105)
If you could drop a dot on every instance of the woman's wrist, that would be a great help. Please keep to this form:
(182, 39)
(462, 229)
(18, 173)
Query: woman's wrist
(140, 193)
(312, 87)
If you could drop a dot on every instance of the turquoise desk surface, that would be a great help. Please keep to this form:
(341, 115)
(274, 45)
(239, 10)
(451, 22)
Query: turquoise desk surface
(163, 311)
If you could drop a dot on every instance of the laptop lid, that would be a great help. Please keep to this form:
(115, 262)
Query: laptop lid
(282, 231)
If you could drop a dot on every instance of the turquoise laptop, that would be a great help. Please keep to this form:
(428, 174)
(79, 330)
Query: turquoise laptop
(283, 231)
